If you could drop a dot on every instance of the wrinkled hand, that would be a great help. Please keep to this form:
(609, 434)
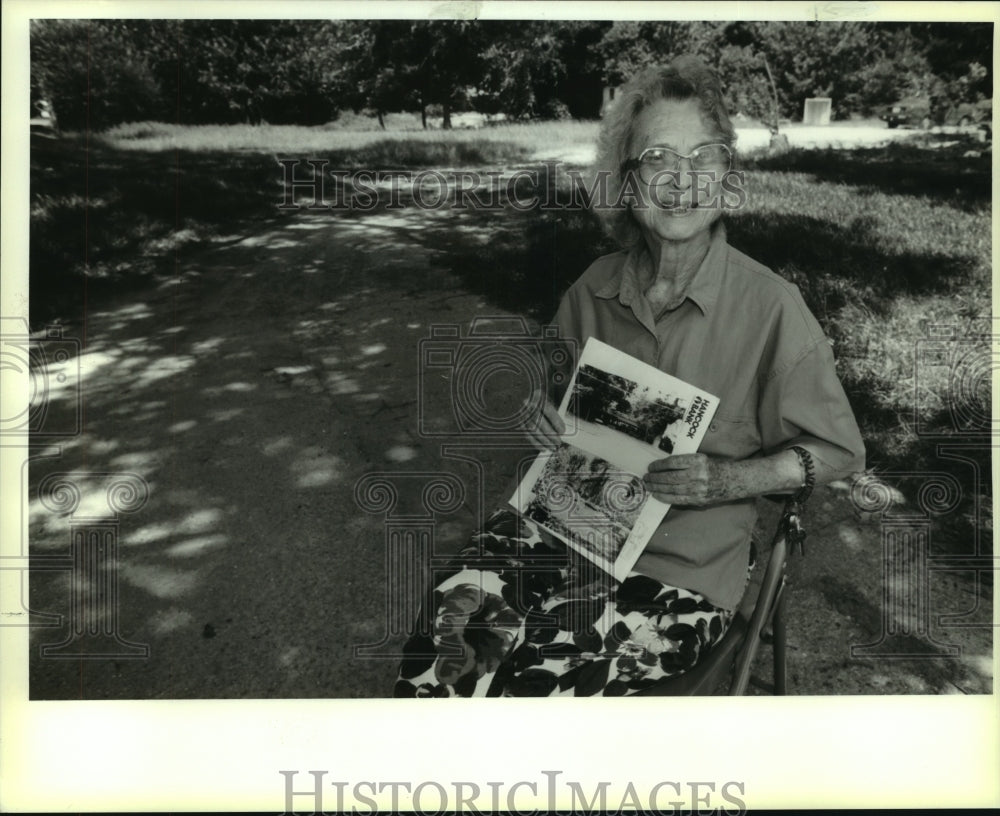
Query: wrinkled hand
(545, 429)
(691, 479)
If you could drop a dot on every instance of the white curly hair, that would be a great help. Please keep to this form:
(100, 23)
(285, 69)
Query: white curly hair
(685, 77)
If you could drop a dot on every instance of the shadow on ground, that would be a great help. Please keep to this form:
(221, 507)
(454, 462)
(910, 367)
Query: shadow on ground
(955, 170)
(252, 385)
(251, 392)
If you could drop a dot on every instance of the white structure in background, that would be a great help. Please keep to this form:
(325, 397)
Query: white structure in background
(44, 120)
(607, 98)
(817, 111)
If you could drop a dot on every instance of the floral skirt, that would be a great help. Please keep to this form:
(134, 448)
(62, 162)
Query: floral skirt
(521, 615)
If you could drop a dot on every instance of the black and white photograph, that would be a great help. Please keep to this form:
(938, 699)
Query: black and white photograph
(610, 400)
(588, 501)
(621, 415)
(292, 304)
(631, 413)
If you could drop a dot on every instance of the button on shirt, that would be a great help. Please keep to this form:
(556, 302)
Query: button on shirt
(745, 335)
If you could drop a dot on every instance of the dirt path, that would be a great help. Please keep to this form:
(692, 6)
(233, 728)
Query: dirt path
(252, 391)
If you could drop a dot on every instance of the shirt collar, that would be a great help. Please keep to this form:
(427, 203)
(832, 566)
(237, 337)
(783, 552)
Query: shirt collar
(703, 289)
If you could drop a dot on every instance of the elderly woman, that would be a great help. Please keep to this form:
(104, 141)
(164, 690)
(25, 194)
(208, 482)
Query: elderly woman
(679, 297)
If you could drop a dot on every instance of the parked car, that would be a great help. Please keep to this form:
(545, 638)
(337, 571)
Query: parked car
(914, 111)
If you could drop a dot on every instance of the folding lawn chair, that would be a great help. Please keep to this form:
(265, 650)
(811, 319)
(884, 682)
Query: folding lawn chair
(760, 617)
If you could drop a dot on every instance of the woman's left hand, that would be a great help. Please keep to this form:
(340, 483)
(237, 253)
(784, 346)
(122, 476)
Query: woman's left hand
(696, 480)
(692, 479)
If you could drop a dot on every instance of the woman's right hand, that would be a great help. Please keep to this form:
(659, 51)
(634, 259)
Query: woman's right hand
(545, 428)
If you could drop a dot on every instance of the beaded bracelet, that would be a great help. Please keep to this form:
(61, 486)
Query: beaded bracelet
(805, 459)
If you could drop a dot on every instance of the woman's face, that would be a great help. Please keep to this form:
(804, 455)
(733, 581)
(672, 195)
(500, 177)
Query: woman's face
(684, 204)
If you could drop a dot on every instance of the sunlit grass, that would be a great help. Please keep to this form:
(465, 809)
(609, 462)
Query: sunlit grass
(888, 247)
(504, 139)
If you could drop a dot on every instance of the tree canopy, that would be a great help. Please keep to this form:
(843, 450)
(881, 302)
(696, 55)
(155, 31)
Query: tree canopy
(97, 73)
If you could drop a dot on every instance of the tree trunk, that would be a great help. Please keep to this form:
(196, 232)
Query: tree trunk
(778, 144)
(774, 96)
(446, 115)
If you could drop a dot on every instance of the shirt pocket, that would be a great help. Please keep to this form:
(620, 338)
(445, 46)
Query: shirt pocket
(731, 438)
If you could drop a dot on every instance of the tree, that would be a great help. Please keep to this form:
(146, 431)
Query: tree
(624, 50)
(526, 72)
(409, 65)
(859, 65)
(97, 73)
(253, 71)
(102, 72)
(373, 67)
(93, 72)
(960, 55)
(446, 60)
(627, 47)
(749, 84)
(897, 67)
(770, 69)
(581, 85)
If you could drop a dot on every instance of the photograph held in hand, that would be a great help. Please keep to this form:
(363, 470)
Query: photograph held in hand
(624, 415)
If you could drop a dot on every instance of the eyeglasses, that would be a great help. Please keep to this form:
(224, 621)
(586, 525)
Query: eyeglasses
(656, 164)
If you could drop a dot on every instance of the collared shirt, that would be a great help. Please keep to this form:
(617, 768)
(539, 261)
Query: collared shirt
(745, 335)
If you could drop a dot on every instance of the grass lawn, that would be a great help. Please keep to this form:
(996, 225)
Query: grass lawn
(352, 135)
(891, 248)
(888, 245)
